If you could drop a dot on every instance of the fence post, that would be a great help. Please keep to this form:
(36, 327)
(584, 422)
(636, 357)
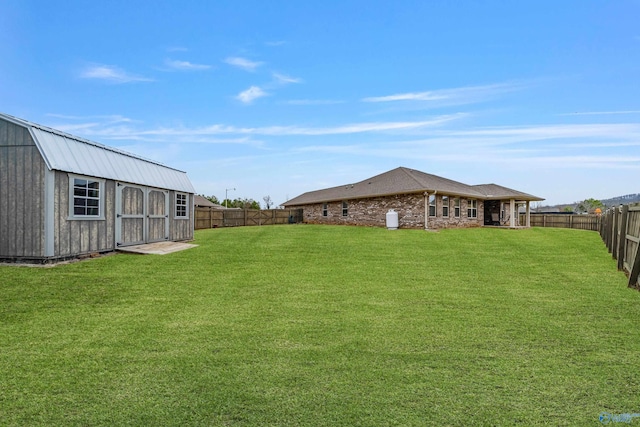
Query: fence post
(622, 239)
(614, 232)
(610, 228)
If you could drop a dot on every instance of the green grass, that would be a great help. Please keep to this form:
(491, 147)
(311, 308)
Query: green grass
(321, 325)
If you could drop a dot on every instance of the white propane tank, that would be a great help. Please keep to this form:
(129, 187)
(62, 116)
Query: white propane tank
(392, 220)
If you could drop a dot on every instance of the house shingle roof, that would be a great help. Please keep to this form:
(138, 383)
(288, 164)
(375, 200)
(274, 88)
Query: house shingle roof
(406, 181)
(498, 192)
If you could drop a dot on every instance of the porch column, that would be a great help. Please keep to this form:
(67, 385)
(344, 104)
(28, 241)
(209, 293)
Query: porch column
(426, 210)
(528, 214)
(512, 213)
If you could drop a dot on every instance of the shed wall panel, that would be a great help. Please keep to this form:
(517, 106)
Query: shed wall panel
(5, 224)
(21, 193)
(76, 237)
(180, 228)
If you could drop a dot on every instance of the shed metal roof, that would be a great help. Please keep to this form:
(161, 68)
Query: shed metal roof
(405, 181)
(69, 153)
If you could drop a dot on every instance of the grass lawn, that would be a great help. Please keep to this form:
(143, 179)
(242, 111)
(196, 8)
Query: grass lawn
(320, 325)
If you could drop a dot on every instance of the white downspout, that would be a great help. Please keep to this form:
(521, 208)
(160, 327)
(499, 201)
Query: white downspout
(426, 210)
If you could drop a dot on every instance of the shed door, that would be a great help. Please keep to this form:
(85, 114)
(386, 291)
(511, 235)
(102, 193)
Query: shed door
(142, 215)
(158, 215)
(130, 215)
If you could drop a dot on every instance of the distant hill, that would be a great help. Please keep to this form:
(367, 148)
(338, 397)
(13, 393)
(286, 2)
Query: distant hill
(622, 200)
(614, 201)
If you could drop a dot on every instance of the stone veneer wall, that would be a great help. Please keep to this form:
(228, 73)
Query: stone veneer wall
(410, 209)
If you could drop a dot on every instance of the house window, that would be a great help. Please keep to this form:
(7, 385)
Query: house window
(456, 207)
(86, 197)
(432, 205)
(325, 209)
(472, 209)
(181, 205)
(445, 206)
(345, 209)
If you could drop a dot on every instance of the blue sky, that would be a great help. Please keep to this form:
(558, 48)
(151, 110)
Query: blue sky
(276, 98)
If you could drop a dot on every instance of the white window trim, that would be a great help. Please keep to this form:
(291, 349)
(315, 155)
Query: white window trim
(446, 206)
(101, 196)
(456, 207)
(471, 209)
(175, 205)
(433, 210)
(325, 209)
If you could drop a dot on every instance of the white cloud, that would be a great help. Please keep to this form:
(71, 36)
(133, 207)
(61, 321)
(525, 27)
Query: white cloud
(335, 130)
(243, 63)
(251, 94)
(416, 96)
(114, 118)
(120, 129)
(284, 79)
(462, 95)
(111, 74)
(529, 133)
(354, 128)
(186, 65)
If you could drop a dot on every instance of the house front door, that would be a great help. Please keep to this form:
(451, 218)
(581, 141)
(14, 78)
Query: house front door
(492, 212)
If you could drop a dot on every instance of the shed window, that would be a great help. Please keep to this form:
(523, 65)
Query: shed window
(432, 205)
(445, 206)
(86, 197)
(472, 209)
(325, 209)
(456, 207)
(345, 209)
(181, 205)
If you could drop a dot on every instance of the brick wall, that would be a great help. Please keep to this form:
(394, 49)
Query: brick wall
(410, 209)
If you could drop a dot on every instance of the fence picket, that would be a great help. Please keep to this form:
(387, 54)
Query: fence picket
(582, 222)
(207, 217)
(620, 232)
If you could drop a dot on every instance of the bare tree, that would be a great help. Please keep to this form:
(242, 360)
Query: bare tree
(267, 202)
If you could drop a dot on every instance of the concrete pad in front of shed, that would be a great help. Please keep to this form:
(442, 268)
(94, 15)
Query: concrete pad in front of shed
(158, 248)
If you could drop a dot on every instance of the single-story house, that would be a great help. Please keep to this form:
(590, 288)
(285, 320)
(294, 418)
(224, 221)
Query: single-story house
(203, 202)
(421, 200)
(64, 196)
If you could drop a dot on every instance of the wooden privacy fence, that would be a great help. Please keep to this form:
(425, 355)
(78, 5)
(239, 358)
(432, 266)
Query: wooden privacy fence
(620, 231)
(581, 222)
(207, 217)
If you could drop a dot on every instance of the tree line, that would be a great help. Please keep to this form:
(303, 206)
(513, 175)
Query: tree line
(240, 203)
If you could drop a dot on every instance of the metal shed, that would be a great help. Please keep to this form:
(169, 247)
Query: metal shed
(64, 196)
